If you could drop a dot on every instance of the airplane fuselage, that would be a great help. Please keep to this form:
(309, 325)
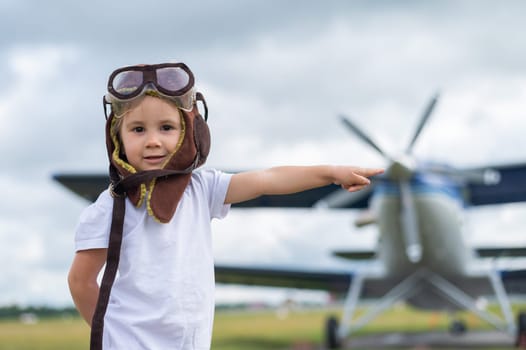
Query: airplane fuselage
(438, 204)
(439, 210)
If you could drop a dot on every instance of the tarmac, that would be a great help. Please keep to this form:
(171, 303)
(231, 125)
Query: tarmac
(433, 340)
(424, 341)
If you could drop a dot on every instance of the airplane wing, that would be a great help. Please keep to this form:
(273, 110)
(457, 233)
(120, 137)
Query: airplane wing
(375, 285)
(514, 281)
(501, 252)
(89, 186)
(511, 187)
(334, 281)
(331, 280)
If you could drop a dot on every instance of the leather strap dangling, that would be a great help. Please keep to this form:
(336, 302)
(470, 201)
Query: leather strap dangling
(118, 191)
(112, 264)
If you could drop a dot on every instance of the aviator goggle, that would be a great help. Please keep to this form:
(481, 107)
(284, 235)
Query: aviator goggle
(173, 81)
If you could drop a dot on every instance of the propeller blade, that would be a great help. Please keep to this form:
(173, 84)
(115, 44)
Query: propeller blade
(409, 224)
(362, 135)
(342, 198)
(423, 121)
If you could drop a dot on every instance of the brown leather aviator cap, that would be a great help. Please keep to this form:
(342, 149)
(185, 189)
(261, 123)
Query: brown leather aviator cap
(160, 193)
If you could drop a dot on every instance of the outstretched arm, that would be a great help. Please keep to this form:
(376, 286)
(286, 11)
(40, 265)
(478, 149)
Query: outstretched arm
(292, 179)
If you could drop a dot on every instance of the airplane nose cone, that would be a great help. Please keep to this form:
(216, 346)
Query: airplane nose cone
(402, 168)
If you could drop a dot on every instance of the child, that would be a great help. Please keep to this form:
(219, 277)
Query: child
(163, 295)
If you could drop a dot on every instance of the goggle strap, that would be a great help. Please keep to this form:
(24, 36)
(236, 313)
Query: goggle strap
(199, 97)
(104, 104)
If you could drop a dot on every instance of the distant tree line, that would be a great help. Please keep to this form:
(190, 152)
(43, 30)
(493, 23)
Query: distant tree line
(15, 311)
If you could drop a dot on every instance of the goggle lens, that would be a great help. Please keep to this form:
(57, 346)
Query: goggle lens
(172, 79)
(127, 82)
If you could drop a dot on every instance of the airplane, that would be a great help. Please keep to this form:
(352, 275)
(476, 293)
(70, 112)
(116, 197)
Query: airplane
(421, 256)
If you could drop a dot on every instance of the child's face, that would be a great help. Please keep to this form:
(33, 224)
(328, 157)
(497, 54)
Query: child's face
(150, 133)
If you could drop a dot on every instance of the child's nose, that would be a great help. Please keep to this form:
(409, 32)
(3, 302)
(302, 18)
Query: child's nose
(153, 140)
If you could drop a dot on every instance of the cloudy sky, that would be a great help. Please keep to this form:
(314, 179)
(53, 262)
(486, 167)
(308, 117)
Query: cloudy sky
(276, 74)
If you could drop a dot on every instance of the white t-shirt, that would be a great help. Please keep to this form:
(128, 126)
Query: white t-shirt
(163, 295)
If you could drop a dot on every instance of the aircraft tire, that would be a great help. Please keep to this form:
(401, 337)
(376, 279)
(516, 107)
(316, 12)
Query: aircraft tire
(331, 333)
(520, 342)
(457, 327)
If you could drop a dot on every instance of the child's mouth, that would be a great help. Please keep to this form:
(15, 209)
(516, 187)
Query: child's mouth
(154, 159)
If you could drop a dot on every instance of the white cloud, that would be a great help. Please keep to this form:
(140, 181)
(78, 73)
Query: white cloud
(275, 83)
(478, 123)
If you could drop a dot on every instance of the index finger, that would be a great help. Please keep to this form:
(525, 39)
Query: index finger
(368, 172)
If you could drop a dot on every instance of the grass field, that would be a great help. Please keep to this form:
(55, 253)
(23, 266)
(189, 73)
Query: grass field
(261, 330)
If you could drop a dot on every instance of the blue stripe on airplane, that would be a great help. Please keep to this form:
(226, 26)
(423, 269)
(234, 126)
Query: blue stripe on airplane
(422, 184)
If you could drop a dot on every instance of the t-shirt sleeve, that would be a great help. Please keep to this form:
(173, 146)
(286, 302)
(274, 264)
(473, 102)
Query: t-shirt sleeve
(217, 185)
(93, 228)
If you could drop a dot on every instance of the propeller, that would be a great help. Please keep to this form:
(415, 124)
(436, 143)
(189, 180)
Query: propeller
(423, 121)
(362, 135)
(399, 170)
(409, 223)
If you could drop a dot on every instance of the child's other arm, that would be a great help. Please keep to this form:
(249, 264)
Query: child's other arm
(291, 179)
(82, 280)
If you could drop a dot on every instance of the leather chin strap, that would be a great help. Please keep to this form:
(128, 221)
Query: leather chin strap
(118, 190)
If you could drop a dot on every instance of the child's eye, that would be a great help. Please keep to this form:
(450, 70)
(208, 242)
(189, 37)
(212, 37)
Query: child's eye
(167, 127)
(138, 129)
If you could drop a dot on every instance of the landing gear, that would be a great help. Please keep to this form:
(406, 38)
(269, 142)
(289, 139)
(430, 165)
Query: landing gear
(331, 333)
(520, 341)
(457, 327)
